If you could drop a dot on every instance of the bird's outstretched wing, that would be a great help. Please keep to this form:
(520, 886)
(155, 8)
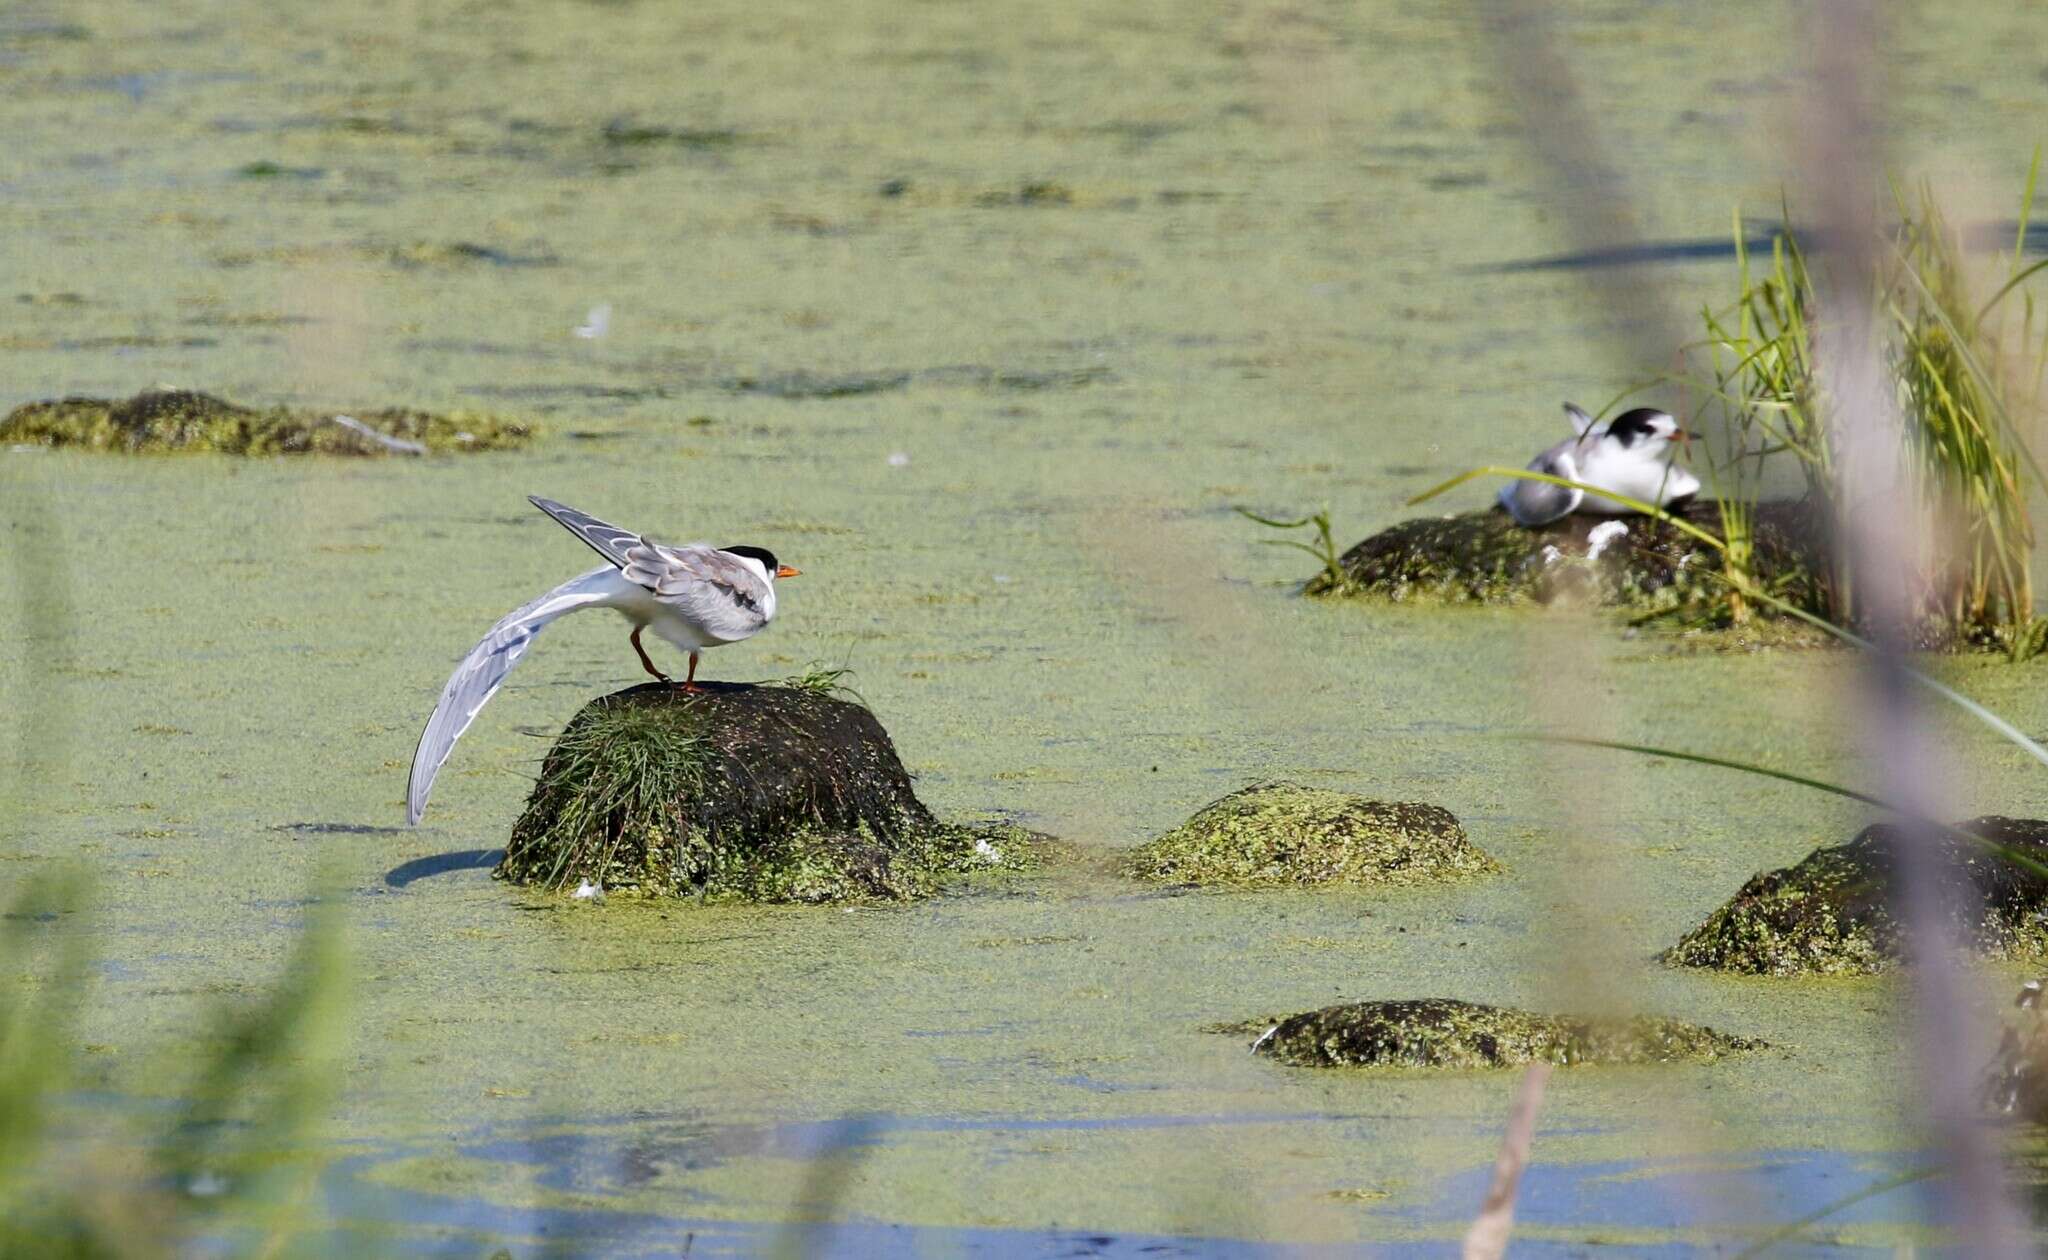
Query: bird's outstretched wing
(604, 538)
(712, 588)
(481, 672)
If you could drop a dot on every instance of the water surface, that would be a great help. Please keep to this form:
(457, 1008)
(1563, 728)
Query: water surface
(1096, 274)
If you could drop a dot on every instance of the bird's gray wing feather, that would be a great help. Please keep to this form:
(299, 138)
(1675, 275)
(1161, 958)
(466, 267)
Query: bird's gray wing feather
(713, 588)
(481, 673)
(604, 538)
(1539, 502)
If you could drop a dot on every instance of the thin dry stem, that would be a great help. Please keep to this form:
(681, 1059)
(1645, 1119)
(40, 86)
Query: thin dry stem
(1488, 1237)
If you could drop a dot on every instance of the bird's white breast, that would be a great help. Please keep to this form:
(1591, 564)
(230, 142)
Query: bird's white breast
(1643, 471)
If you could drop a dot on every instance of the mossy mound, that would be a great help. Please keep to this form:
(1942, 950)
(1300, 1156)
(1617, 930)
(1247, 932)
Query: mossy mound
(1283, 833)
(186, 420)
(1445, 1033)
(755, 793)
(1485, 558)
(1830, 914)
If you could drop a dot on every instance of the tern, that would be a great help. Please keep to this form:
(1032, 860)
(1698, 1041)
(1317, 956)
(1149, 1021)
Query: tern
(695, 596)
(1630, 455)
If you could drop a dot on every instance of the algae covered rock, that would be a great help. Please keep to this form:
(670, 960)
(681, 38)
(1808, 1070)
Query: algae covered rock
(187, 420)
(757, 793)
(1283, 833)
(1645, 564)
(1445, 1033)
(1830, 914)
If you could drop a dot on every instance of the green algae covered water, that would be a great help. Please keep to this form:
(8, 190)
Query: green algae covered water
(985, 321)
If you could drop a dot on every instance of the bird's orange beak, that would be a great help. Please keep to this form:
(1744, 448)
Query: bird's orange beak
(783, 571)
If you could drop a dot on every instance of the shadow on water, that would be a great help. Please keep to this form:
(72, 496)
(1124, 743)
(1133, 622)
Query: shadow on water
(1695, 250)
(1982, 236)
(441, 864)
(1695, 1209)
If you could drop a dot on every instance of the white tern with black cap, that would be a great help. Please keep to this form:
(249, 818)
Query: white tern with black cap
(695, 596)
(1629, 455)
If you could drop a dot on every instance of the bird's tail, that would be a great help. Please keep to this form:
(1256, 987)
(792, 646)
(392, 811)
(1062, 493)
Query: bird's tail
(481, 672)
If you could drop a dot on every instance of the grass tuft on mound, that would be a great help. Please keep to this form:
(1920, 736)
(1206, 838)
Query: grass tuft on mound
(747, 793)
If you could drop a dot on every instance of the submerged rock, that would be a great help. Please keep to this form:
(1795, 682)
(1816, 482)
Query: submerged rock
(1284, 833)
(187, 420)
(1445, 1033)
(1830, 914)
(757, 793)
(1484, 557)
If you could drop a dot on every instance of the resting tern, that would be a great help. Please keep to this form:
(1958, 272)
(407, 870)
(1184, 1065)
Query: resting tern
(1630, 455)
(695, 596)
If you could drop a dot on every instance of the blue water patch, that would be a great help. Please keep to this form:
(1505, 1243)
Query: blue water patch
(1708, 1208)
(1743, 1194)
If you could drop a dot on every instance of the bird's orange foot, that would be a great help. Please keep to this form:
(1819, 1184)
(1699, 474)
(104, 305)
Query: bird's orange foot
(646, 664)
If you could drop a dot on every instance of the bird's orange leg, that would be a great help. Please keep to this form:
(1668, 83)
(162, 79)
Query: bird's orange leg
(647, 664)
(690, 680)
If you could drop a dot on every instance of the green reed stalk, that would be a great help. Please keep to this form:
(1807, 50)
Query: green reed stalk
(1963, 379)
(1967, 375)
(1760, 354)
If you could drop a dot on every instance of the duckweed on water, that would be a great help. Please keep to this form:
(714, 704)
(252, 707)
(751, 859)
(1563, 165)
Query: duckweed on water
(1445, 1033)
(1284, 834)
(187, 420)
(627, 133)
(1830, 914)
(1036, 192)
(751, 793)
(813, 385)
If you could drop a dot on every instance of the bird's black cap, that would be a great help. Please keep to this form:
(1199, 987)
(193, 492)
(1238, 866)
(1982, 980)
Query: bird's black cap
(1631, 426)
(765, 556)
